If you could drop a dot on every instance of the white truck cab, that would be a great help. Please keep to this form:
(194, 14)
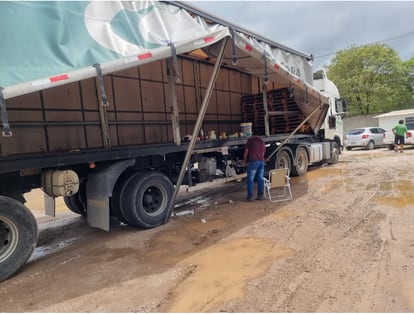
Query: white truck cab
(333, 126)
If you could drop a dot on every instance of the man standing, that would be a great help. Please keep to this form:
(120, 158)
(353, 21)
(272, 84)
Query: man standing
(254, 157)
(399, 132)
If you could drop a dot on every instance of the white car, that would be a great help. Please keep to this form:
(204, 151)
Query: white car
(368, 137)
(389, 139)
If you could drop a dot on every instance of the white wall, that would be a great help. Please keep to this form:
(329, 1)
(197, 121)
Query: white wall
(359, 121)
(389, 122)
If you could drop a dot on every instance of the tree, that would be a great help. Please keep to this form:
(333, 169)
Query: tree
(372, 78)
(409, 70)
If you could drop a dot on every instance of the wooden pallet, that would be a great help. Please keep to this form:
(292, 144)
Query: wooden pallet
(284, 113)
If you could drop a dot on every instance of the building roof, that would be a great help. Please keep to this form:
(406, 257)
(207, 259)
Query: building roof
(396, 113)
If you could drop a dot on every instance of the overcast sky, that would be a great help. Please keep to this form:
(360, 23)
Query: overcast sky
(322, 27)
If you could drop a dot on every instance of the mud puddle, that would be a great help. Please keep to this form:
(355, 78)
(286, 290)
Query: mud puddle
(221, 272)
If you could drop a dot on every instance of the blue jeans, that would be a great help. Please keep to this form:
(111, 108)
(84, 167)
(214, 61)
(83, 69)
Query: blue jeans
(255, 169)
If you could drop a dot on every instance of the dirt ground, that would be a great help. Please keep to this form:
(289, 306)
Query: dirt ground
(345, 243)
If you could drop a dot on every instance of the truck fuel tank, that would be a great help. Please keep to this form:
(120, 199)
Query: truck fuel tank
(60, 182)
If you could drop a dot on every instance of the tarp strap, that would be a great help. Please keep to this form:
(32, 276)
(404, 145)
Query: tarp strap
(306, 95)
(103, 107)
(6, 131)
(233, 47)
(175, 61)
(290, 88)
(104, 99)
(266, 73)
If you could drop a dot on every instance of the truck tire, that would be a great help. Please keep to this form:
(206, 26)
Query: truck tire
(146, 198)
(115, 203)
(283, 160)
(302, 163)
(18, 236)
(335, 154)
(76, 203)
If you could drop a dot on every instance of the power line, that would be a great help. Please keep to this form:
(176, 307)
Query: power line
(375, 42)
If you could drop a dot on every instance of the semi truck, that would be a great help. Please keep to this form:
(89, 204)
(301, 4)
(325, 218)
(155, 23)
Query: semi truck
(112, 104)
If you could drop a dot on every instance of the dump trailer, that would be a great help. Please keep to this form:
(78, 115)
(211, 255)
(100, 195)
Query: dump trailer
(114, 105)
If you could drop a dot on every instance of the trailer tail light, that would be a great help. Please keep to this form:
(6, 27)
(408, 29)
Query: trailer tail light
(364, 136)
(409, 134)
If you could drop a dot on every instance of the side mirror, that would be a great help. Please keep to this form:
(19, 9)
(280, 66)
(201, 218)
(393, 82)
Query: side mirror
(341, 106)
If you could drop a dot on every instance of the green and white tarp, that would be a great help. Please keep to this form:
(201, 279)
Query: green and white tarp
(46, 44)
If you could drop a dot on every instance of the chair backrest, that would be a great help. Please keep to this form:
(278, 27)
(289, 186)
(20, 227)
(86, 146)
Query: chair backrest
(277, 177)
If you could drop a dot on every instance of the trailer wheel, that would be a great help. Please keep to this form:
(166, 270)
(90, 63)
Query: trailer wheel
(335, 154)
(302, 163)
(76, 203)
(115, 203)
(146, 198)
(283, 160)
(18, 236)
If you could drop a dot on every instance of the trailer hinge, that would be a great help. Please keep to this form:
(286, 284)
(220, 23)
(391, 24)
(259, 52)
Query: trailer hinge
(234, 59)
(266, 73)
(6, 131)
(104, 99)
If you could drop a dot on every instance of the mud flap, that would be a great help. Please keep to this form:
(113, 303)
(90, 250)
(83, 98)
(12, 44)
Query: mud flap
(99, 188)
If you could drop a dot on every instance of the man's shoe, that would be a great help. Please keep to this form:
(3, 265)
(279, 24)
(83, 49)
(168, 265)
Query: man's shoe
(259, 198)
(248, 199)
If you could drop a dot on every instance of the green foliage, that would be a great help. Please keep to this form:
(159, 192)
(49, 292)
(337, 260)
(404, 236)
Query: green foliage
(409, 72)
(373, 79)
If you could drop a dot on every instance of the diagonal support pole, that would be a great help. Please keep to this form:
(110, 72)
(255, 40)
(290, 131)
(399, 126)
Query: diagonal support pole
(197, 126)
(295, 130)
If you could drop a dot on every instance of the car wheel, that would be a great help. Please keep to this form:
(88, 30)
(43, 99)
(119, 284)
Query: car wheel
(348, 148)
(371, 145)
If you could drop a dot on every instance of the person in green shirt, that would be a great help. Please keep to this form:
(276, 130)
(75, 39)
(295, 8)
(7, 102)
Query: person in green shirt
(399, 132)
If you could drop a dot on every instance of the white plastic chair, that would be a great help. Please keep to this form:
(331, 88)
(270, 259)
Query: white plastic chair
(278, 182)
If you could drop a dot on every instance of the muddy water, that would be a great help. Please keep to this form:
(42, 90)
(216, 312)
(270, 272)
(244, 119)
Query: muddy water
(395, 193)
(399, 193)
(222, 271)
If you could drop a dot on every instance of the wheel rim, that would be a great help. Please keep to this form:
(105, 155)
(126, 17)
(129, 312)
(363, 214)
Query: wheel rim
(154, 200)
(9, 238)
(283, 160)
(335, 154)
(302, 163)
